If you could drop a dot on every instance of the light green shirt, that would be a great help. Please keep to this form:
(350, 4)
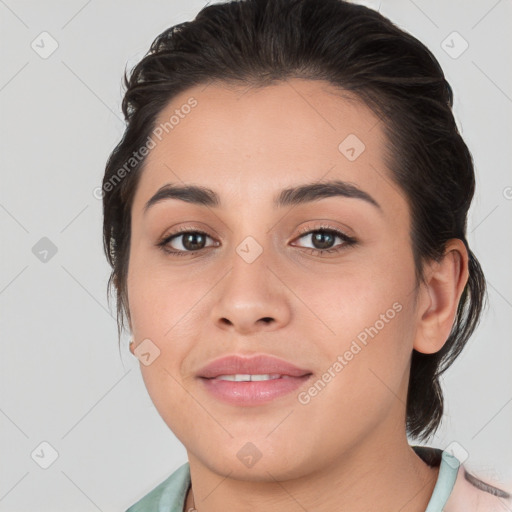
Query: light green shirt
(169, 496)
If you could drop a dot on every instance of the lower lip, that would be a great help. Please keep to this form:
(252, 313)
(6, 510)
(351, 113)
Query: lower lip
(254, 392)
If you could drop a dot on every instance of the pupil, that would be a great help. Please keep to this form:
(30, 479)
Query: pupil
(320, 238)
(190, 243)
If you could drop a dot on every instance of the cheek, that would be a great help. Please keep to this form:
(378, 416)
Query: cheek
(168, 310)
(371, 321)
(158, 308)
(361, 305)
(156, 297)
(366, 364)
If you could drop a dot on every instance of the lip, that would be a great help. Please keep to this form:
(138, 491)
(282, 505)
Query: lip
(255, 392)
(252, 365)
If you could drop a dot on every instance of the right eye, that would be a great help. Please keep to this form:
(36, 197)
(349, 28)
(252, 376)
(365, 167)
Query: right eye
(183, 241)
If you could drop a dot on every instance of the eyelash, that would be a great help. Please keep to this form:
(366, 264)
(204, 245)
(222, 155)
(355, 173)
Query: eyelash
(348, 240)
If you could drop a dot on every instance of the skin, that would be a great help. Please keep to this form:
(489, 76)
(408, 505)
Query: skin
(347, 448)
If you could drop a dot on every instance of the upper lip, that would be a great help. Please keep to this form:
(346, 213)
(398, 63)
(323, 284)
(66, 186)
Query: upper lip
(250, 365)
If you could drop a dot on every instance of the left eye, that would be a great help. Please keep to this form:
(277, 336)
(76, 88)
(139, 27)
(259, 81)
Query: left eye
(324, 239)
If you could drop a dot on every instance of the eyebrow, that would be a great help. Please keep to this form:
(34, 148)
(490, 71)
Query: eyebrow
(287, 197)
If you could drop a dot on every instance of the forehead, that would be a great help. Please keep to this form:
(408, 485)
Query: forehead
(252, 142)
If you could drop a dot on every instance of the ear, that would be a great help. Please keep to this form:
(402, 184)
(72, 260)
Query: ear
(132, 346)
(439, 297)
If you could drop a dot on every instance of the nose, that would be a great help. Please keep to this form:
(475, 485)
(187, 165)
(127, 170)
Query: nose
(250, 298)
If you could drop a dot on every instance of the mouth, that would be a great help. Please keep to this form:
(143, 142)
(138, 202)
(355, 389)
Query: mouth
(248, 381)
(239, 377)
(254, 367)
(252, 390)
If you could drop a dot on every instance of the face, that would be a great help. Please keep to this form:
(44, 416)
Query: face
(326, 283)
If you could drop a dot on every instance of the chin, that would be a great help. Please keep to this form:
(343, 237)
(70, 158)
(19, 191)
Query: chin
(258, 461)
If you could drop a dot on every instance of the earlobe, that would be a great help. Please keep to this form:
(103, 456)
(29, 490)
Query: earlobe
(445, 282)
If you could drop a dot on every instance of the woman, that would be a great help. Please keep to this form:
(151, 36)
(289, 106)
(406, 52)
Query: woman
(285, 218)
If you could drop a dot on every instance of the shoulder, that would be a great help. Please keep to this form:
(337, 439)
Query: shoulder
(459, 489)
(168, 496)
(473, 493)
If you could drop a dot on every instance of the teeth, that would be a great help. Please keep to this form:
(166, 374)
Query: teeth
(246, 378)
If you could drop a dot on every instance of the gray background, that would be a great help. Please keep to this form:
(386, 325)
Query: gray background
(63, 380)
